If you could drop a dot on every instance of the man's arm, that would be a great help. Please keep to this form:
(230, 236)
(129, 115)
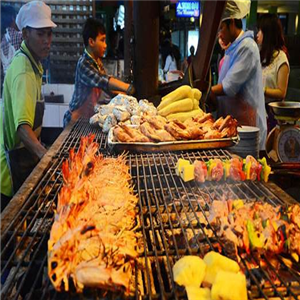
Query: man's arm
(117, 85)
(30, 141)
(218, 89)
(236, 75)
(90, 76)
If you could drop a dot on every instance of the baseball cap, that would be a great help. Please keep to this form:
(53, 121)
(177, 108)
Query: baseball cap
(236, 9)
(35, 14)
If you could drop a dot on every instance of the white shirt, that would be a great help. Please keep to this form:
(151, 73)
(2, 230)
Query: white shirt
(170, 64)
(270, 72)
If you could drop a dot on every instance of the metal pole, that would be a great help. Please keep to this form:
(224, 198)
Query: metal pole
(212, 14)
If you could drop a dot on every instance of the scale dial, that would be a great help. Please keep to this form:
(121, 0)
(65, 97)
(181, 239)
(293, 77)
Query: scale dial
(289, 145)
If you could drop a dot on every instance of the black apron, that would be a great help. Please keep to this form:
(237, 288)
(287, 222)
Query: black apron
(21, 161)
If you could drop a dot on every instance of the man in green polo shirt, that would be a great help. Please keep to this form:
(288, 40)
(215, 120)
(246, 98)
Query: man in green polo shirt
(22, 108)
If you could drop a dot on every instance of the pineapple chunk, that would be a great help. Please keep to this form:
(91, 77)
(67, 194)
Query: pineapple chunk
(215, 262)
(189, 271)
(187, 173)
(237, 204)
(197, 293)
(229, 286)
(295, 256)
(180, 163)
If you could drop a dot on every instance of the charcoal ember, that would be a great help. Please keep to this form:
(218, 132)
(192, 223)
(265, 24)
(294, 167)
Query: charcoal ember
(188, 237)
(230, 249)
(194, 241)
(179, 240)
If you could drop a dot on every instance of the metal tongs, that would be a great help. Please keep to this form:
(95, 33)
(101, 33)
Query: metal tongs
(286, 168)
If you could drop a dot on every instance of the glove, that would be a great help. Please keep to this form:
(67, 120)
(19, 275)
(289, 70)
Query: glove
(131, 90)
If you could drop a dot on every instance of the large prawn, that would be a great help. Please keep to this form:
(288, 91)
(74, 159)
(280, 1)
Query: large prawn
(92, 241)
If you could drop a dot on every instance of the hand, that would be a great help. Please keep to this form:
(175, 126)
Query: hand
(131, 90)
(180, 73)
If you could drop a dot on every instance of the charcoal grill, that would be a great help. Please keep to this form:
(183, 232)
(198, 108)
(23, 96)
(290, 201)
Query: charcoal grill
(170, 212)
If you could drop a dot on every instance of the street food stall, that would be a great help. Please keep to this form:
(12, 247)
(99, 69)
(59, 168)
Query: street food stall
(170, 221)
(162, 217)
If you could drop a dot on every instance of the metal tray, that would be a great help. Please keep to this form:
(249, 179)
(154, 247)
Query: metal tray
(169, 146)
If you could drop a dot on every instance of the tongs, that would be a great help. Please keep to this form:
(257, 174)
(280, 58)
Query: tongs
(286, 168)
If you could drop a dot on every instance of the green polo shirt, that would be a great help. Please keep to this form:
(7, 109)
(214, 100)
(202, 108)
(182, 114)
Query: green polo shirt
(21, 90)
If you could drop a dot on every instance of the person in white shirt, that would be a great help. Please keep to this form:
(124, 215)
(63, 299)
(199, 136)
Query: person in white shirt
(274, 61)
(171, 70)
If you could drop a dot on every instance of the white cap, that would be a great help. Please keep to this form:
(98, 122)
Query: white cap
(236, 9)
(35, 14)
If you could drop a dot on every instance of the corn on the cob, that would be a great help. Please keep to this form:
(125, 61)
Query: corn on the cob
(186, 104)
(184, 91)
(197, 94)
(182, 116)
(196, 104)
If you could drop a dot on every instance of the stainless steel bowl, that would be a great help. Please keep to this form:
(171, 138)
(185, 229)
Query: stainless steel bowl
(286, 109)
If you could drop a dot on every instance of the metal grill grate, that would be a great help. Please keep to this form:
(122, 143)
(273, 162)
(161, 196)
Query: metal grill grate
(82, 128)
(171, 215)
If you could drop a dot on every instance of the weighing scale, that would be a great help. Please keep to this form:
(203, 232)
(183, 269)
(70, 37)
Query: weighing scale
(283, 142)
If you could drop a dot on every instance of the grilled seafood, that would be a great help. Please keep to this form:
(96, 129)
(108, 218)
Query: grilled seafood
(165, 135)
(190, 123)
(229, 126)
(134, 133)
(213, 134)
(121, 135)
(178, 130)
(207, 125)
(204, 118)
(158, 122)
(150, 132)
(195, 132)
(92, 240)
(197, 128)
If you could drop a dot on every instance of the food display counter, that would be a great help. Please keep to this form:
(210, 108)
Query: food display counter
(171, 221)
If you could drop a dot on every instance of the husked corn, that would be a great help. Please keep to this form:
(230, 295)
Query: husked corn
(197, 94)
(186, 104)
(184, 91)
(182, 116)
(196, 104)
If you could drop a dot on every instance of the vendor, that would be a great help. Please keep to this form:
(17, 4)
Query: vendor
(22, 108)
(91, 78)
(240, 87)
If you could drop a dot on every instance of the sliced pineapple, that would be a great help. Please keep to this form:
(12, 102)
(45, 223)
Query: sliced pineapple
(215, 262)
(229, 286)
(180, 163)
(189, 271)
(197, 293)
